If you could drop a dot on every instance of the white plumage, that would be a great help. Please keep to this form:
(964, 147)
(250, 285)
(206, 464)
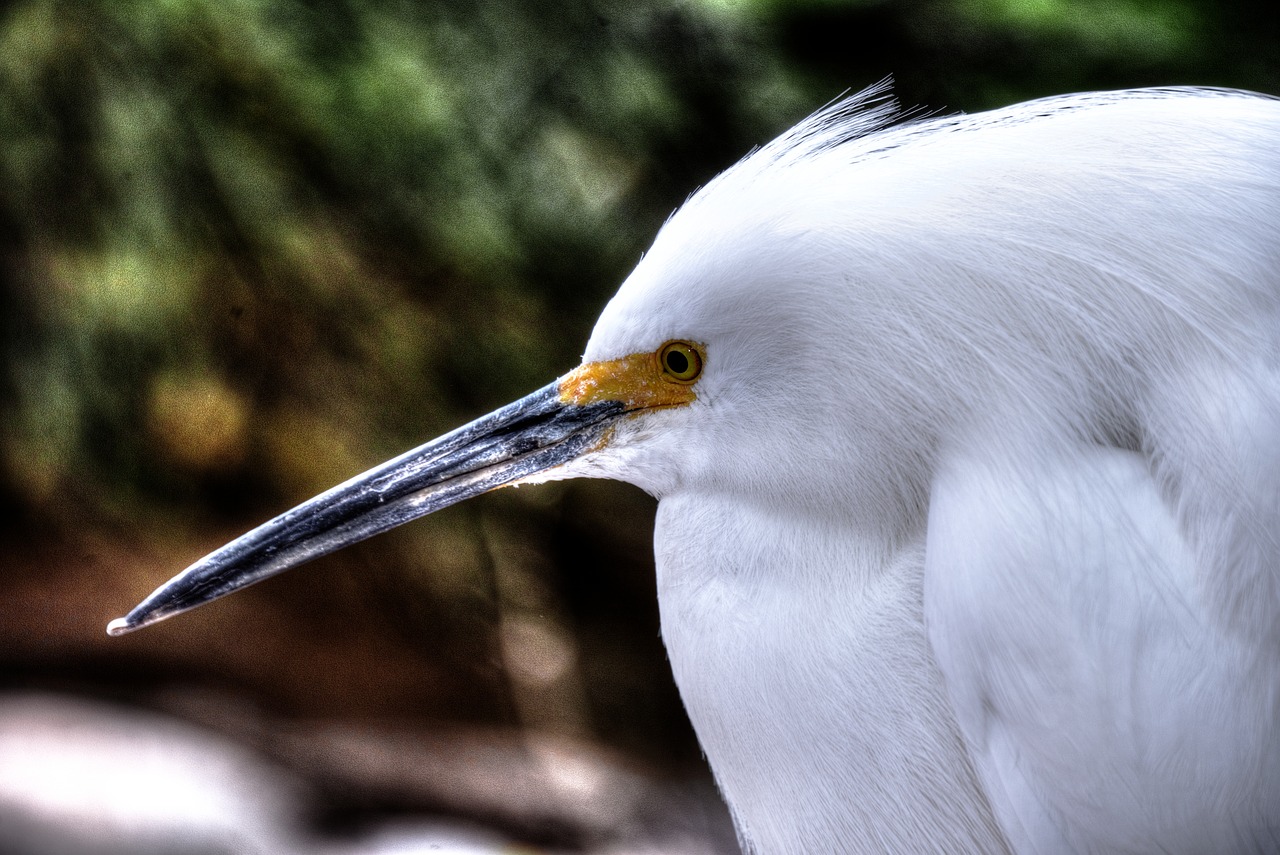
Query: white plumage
(972, 533)
(969, 526)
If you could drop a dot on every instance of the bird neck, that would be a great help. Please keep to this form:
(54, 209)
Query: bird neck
(801, 655)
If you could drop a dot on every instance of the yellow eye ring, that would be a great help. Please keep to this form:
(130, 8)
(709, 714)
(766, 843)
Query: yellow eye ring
(680, 361)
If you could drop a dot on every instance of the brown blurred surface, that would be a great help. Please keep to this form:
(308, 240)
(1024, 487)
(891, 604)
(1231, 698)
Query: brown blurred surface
(376, 706)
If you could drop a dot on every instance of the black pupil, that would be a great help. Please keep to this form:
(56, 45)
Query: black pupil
(677, 362)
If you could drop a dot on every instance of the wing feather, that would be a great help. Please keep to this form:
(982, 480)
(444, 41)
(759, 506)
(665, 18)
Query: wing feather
(1108, 705)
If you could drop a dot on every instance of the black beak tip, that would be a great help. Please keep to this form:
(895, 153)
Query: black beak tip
(120, 626)
(174, 597)
(143, 615)
(136, 620)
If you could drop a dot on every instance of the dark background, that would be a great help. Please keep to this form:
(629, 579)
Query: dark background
(250, 248)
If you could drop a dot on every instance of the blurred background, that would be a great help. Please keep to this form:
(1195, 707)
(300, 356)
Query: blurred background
(249, 248)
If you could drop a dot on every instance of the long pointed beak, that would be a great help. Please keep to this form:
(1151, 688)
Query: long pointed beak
(532, 435)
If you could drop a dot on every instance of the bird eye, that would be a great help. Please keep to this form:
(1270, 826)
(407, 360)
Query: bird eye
(680, 361)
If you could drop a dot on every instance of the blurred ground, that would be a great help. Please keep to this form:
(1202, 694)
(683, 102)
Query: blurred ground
(249, 248)
(81, 777)
(347, 729)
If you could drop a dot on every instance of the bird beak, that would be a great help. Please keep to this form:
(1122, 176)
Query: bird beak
(548, 428)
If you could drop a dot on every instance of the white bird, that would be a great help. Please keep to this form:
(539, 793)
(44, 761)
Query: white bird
(966, 435)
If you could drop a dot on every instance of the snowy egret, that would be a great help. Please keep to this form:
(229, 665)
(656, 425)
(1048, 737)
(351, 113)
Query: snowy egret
(966, 435)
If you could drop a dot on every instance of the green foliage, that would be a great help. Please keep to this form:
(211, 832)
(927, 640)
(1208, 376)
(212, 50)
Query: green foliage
(319, 207)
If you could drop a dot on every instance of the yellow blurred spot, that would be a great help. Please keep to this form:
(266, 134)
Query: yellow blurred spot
(197, 422)
(134, 290)
(310, 453)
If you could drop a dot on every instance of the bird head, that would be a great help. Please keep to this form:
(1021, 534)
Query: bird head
(706, 372)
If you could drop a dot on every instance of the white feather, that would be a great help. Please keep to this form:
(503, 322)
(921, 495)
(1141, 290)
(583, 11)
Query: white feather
(1017, 374)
